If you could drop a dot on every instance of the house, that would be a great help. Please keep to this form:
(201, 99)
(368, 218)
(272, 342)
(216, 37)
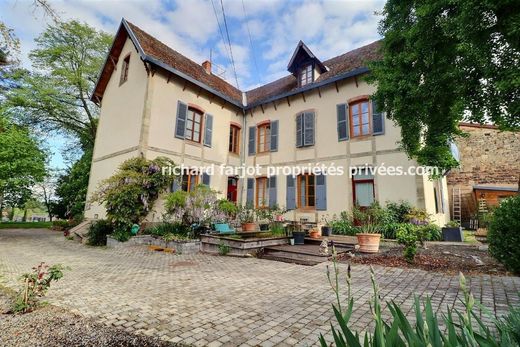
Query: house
(489, 170)
(318, 118)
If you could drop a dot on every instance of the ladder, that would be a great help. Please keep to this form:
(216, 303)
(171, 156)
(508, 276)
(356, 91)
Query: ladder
(456, 205)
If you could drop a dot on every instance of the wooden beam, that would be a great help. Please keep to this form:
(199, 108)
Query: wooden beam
(355, 80)
(336, 84)
(303, 95)
(274, 104)
(198, 92)
(319, 92)
(211, 98)
(288, 102)
(184, 86)
(113, 62)
(262, 107)
(168, 80)
(251, 112)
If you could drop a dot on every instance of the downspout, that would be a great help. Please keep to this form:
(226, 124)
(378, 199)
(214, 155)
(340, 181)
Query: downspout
(244, 142)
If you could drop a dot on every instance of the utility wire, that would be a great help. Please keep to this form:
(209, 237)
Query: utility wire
(251, 42)
(220, 30)
(229, 42)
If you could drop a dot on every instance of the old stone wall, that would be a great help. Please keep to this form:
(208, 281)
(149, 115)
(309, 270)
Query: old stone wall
(487, 156)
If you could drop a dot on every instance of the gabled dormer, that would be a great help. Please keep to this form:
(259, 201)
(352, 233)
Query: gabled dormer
(304, 65)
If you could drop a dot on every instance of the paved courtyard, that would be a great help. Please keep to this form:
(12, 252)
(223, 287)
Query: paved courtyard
(221, 301)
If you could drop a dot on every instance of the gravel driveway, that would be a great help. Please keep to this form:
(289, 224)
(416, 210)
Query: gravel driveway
(212, 301)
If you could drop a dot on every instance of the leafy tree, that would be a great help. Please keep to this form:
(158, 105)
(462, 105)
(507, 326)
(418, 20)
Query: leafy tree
(21, 164)
(447, 61)
(71, 188)
(55, 96)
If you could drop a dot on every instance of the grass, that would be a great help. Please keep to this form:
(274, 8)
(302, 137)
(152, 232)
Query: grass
(25, 225)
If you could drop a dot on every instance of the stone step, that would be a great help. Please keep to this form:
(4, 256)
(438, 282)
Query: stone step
(292, 260)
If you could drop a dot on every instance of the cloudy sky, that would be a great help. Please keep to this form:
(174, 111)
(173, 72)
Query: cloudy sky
(263, 33)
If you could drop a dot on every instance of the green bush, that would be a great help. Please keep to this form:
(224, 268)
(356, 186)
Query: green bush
(430, 232)
(389, 231)
(464, 328)
(98, 231)
(343, 225)
(399, 211)
(504, 234)
(60, 225)
(166, 228)
(223, 249)
(407, 235)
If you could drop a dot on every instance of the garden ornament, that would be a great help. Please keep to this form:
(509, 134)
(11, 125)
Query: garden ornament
(135, 229)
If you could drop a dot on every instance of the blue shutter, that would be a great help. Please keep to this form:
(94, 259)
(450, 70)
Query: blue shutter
(274, 136)
(378, 120)
(180, 124)
(250, 197)
(343, 130)
(299, 130)
(321, 192)
(272, 191)
(252, 137)
(205, 179)
(176, 185)
(208, 130)
(291, 193)
(308, 129)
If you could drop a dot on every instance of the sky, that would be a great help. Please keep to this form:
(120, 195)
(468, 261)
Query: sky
(263, 33)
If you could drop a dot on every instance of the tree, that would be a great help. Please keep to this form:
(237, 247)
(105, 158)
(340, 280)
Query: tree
(444, 62)
(21, 164)
(55, 96)
(71, 188)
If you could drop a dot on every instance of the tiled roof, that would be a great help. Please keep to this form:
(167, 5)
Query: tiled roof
(158, 50)
(337, 66)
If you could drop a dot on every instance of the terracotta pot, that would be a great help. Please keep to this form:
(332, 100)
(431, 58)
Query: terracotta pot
(314, 234)
(248, 227)
(368, 243)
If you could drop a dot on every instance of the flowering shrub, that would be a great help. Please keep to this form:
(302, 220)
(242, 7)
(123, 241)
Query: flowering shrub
(407, 235)
(35, 285)
(130, 194)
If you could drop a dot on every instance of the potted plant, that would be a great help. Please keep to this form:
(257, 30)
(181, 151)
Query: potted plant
(314, 234)
(368, 235)
(246, 216)
(326, 229)
(452, 231)
(298, 235)
(225, 212)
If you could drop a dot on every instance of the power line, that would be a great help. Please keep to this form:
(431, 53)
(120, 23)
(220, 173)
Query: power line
(220, 30)
(229, 42)
(251, 42)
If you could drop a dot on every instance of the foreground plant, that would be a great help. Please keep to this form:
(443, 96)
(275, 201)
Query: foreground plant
(35, 285)
(467, 330)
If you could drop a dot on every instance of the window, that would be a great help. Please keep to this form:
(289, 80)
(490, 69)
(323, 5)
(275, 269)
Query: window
(360, 116)
(190, 179)
(234, 139)
(363, 187)
(306, 191)
(124, 70)
(194, 125)
(264, 138)
(305, 129)
(306, 75)
(262, 199)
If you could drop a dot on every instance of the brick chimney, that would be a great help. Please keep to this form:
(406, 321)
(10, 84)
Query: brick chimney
(207, 66)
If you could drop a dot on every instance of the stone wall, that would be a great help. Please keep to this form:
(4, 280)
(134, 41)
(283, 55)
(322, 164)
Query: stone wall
(487, 156)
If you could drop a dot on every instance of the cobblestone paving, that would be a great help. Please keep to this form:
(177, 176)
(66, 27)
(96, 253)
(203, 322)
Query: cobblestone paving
(222, 301)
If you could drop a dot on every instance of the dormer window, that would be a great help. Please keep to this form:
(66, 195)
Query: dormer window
(124, 70)
(306, 75)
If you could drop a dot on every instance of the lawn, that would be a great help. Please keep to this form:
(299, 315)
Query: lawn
(25, 225)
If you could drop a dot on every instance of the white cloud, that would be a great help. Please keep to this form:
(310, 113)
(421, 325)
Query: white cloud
(194, 18)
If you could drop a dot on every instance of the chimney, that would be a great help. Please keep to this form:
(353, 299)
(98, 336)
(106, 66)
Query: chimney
(207, 66)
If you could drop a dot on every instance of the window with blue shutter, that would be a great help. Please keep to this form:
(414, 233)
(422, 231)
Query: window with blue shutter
(274, 136)
(378, 120)
(308, 129)
(180, 124)
(251, 143)
(321, 192)
(272, 191)
(343, 129)
(299, 130)
(250, 193)
(208, 130)
(290, 202)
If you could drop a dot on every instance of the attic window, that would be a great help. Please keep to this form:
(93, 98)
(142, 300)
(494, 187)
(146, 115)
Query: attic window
(306, 75)
(124, 70)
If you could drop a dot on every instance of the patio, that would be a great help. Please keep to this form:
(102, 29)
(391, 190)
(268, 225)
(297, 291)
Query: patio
(212, 300)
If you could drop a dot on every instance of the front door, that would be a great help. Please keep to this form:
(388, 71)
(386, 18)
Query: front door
(232, 189)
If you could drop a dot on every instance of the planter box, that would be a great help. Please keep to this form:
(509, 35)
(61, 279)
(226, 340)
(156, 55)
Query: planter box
(452, 234)
(180, 246)
(239, 247)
